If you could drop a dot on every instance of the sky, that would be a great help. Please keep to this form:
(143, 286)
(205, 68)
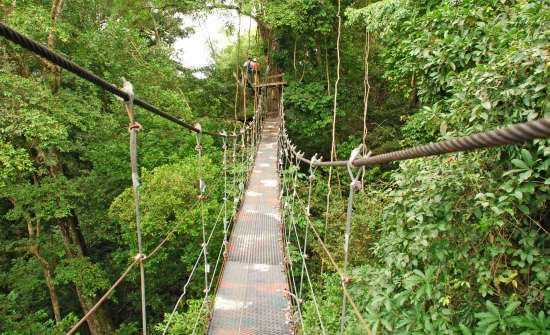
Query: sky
(194, 51)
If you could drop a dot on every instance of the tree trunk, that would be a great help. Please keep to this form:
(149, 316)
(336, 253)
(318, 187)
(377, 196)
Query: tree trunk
(99, 322)
(35, 251)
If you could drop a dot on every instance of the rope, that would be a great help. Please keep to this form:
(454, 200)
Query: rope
(303, 251)
(324, 246)
(68, 65)
(102, 299)
(338, 270)
(225, 194)
(335, 107)
(205, 300)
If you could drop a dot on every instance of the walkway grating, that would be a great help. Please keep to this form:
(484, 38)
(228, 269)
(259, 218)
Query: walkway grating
(250, 299)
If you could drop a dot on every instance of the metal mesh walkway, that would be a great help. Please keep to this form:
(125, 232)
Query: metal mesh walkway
(250, 298)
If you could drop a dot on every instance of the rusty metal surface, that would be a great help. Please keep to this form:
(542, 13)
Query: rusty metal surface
(250, 298)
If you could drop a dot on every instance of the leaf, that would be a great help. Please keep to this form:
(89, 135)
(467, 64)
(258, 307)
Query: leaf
(487, 105)
(524, 175)
(512, 307)
(527, 157)
(520, 164)
(464, 329)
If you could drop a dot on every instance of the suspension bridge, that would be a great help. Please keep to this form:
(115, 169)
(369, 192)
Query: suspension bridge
(258, 290)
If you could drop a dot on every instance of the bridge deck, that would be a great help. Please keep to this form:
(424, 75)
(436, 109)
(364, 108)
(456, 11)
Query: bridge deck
(249, 299)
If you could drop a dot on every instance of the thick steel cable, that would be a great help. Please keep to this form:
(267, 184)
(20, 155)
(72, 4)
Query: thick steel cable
(518, 133)
(68, 65)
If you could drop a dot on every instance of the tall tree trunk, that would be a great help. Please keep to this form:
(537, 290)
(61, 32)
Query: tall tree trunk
(34, 249)
(55, 12)
(48, 277)
(99, 322)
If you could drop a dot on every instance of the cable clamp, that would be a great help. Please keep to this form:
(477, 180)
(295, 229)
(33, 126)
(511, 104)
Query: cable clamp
(135, 126)
(353, 156)
(355, 184)
(346, 280)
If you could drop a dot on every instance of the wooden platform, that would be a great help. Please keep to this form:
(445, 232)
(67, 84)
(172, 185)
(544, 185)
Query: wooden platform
(277, 83)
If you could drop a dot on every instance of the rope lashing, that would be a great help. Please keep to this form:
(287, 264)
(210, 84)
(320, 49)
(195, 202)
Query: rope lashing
(134, 127)
(354, 186)
(202, 189)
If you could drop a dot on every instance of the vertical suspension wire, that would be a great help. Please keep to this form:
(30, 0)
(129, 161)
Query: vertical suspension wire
(354, 186)
(291, 186)
(312, 178)
(309, 281)
(202, 189)
(225, 194)
(234, 175)
(134, 128)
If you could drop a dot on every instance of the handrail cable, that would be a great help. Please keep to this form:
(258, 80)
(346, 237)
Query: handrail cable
(68, 65)
(514, 134)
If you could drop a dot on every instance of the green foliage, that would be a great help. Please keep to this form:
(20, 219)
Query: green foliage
(185, 320)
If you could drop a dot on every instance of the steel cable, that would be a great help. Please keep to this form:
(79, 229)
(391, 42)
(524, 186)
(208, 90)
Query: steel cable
(518, 133)
(68, 65)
